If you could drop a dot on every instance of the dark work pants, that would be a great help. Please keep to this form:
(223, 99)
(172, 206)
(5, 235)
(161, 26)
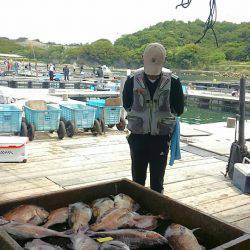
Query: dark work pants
(51, 75)
(66, 77)
(149, 150)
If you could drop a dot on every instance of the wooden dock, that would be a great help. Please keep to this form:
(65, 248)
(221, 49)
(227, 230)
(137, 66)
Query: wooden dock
(43, 82)
(83, 94)
(55, 165)
(211, 99)
(219, 96)
(55, 96)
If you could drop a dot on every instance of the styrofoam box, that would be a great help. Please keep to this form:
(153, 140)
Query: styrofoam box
(13, 149)
(241, 177)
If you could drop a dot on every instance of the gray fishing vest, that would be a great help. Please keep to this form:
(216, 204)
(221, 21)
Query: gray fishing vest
(151, 116)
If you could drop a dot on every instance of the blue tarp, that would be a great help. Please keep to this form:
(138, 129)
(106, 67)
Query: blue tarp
(184, 89)
(58, 76)
(175, 152)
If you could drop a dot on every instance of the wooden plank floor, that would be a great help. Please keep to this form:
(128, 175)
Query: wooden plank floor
(56, 165)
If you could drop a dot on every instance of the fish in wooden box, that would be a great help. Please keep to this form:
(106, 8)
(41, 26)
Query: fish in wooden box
(83, 242)
(101, 206)
(27, 231)
(114, 245)
(57, 216)
(27, 214)
(38, 244)
(79, 215)
(134, 238)
(181, 238)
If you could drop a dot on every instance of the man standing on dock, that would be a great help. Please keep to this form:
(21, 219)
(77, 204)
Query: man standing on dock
(51, 72)
(66, 73)
(153, 98)
(16, 67)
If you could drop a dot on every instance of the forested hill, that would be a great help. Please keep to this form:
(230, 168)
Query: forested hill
(178, 37)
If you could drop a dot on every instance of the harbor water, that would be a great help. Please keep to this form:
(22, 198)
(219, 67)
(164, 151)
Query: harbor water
(197, 115)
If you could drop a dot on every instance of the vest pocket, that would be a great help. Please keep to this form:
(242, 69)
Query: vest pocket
(138, 103)
(166, 126)
(135, 124)
(164, 101)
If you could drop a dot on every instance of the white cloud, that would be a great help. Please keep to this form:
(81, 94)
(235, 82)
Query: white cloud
(84, 21)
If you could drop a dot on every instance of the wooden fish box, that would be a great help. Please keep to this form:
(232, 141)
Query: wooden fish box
(37, 104)
(113, 101)
(213, 233)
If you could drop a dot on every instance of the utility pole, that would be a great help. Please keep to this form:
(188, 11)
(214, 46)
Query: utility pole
(33, 52)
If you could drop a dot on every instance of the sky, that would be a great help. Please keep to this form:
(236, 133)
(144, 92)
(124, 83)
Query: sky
(84, 21)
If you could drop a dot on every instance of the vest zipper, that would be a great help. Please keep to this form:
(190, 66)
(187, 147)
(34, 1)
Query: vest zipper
(150, 116)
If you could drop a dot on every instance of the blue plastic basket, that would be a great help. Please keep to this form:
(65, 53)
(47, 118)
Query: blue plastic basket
(10, 118)
(43, 120)
(96, 102)
(82, 116)
(110, 114)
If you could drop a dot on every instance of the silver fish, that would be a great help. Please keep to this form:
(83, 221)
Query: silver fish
(181, 238)
(27, 231)
(27, 214)
(83, 242)
(147, 222)
(114, 219)
(124, 218)
(124, 201)
(79, 215)
(114, 245)
(57, 216)
(40, 245)
(102, 205)
(134, 238)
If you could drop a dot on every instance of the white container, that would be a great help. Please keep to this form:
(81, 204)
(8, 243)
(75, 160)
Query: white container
(13, 149)
(241, 176)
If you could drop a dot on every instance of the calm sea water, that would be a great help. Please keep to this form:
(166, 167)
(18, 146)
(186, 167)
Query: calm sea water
(196, 115)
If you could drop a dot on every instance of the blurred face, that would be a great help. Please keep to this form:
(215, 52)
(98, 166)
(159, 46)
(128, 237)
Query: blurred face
(153, 59)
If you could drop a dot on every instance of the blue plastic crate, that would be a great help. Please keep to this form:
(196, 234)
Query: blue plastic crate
(82, 116)
(10, 118)
(55, 85)
(111, 114)
(43, 120)
(96, 102)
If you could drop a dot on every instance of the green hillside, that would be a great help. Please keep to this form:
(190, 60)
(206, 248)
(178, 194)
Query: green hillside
(178, 37)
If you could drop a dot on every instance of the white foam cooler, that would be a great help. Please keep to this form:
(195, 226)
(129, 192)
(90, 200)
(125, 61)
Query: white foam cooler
(241, 176)
(13, 149)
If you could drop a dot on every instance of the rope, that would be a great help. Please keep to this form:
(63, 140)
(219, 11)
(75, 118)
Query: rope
(211, 20)
(184, 3)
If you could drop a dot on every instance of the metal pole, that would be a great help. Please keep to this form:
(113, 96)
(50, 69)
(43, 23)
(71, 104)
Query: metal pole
(242, 111)
(123, 80)
(33, 52)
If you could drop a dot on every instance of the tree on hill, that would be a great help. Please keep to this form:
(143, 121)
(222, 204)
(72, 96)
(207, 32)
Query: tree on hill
(178, 38)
